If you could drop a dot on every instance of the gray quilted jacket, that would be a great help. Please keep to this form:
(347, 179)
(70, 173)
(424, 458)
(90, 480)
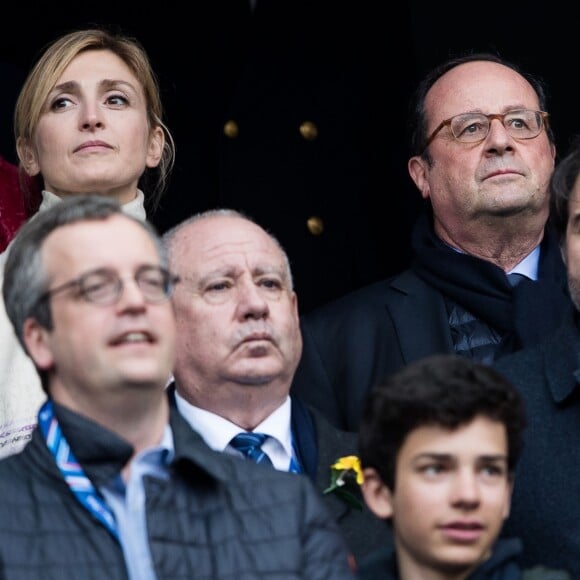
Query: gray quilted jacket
(217, 517)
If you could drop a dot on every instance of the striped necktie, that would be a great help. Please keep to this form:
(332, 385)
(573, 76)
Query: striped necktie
(250, 444)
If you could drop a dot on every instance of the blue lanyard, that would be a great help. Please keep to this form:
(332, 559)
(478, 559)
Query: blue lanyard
(72, 472)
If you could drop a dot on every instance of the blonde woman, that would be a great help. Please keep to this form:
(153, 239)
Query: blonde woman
(88, 119)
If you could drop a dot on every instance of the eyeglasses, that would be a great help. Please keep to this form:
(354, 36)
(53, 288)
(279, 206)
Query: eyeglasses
(474, 127)
(104, 286)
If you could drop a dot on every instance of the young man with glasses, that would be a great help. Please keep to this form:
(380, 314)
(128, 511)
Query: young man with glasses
(482, 156)
(113, 483)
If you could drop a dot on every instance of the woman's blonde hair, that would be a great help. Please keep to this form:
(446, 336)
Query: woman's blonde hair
(51, 65)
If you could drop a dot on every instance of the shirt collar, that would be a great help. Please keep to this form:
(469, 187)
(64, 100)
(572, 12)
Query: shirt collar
(218, 432)
(529, 265)
(161, 455)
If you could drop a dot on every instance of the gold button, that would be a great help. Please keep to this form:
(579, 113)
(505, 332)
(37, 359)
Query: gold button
(309, 130)
(315, 225)
(231, 129)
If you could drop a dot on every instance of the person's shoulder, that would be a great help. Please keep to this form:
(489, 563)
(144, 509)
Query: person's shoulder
(11, 462)
(379, 564)
(17, 472)
(241, 472)
(555, 344)
(543, 573)
(281, 493)
(322, 422)
(367, 298)
(357, 296)
(327, 431)
(519, 359)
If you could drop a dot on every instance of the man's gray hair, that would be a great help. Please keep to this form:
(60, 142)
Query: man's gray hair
(169, 237)
(25, 278)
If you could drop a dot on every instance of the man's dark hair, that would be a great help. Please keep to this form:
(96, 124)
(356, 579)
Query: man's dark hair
(561, 185)
(443, 390)
(417, 125)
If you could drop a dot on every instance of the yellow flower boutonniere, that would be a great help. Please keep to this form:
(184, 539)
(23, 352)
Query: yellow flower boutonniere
(346, 477)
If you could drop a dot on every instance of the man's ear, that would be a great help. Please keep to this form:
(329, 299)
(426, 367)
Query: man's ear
(27, 156)
(417, 168)
(378, 496)
(36, 339)
(295, 304)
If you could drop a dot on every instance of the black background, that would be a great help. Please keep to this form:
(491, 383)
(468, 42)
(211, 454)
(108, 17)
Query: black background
(347, 66)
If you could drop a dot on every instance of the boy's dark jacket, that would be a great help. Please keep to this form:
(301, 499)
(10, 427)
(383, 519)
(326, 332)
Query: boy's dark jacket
(502, 565)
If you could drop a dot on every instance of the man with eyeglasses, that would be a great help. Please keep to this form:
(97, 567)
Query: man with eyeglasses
(113, 483)
(482, 155)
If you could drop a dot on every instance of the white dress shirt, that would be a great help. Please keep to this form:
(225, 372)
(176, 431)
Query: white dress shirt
(218, 432)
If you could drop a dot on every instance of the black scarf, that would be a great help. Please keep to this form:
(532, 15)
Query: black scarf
(526, 312)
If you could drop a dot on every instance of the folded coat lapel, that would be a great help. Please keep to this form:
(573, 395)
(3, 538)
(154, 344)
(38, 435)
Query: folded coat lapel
(419, 316)
(562, 363)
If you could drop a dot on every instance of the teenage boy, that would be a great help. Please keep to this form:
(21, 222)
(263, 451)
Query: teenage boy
(439, 443)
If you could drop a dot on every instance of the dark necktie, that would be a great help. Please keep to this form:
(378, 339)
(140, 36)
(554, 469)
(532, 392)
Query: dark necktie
(514, 279)
(250, 444)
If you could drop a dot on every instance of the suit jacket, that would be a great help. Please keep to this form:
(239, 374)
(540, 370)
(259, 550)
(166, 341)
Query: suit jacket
(545, 507)
(352, 343)
(318, 445)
